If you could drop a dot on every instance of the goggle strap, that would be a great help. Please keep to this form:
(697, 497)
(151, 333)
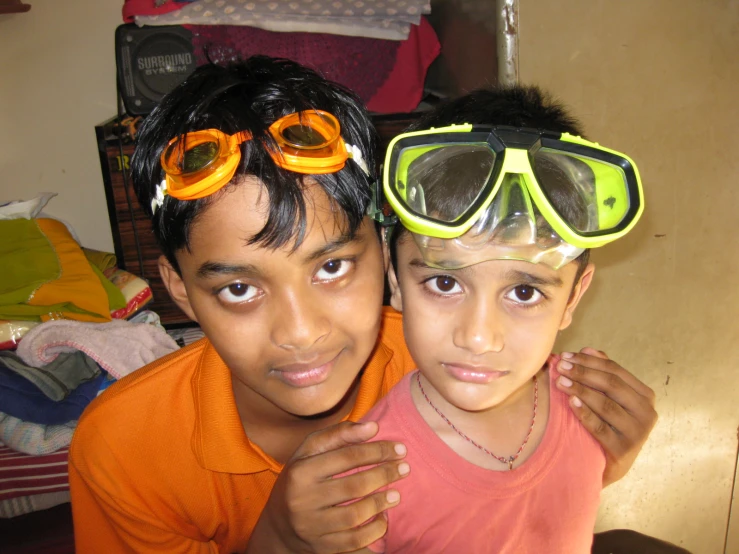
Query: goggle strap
(356, 154)
(241, 137)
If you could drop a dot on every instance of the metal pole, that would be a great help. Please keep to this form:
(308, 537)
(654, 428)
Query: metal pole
(506, 37)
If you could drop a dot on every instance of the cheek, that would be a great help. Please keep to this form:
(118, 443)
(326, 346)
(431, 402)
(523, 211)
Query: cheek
(534, 337)
(355, 307)
(426, 324)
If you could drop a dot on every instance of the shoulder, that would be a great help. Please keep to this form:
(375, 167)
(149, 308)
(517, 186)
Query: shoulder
(572, 432)
(392, 340)
(140, 408)
(389, 410)
(391, 331)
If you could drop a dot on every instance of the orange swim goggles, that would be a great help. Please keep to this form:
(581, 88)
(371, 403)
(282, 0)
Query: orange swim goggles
(200, 163)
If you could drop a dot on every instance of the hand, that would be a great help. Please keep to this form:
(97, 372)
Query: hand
(613, 405)
(304, 512)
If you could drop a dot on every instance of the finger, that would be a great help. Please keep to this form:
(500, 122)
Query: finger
(599, 385)
(335, 437)
(601, 374)
(593, 352)
(608, 438)
(355, 539)
(365, 482)
(349, 516)
(347, 458)
(601, 410)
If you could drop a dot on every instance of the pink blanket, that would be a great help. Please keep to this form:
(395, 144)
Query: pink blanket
(119, 347)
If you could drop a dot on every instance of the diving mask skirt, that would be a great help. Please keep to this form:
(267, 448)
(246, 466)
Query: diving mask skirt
(470, 194)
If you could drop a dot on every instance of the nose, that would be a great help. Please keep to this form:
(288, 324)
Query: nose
(299, 322)
(479, 329)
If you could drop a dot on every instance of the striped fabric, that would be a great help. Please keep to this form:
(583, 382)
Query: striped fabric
(26, 475)
(21, 505)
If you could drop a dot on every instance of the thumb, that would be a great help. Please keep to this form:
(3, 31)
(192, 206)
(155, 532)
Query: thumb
(334, 437)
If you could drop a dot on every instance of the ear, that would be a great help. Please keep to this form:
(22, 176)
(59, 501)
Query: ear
(385, 248)
(175, 286)
(577, 293)
(396, 298)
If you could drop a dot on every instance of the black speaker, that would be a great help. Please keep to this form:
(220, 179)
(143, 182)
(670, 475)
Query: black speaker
(151, 61)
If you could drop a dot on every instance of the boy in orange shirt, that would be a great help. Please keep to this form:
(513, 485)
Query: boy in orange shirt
(257, 178)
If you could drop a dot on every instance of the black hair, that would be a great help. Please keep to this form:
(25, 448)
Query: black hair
(514, 106)
(249, 95)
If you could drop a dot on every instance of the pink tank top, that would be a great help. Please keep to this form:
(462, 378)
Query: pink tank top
(449, 505)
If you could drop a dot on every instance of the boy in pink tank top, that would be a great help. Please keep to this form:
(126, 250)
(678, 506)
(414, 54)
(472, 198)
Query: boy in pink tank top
(497, 200)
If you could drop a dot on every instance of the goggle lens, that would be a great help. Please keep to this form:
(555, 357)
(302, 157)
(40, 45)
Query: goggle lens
(307, 131)
(442, 182)
(191, 154)
(199, 157)
(303, 137)
(591, 195)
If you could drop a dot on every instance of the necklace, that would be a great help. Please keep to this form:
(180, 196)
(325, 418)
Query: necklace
(508, 460)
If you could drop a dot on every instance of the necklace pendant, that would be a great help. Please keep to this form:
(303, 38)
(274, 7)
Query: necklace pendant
(510, 463)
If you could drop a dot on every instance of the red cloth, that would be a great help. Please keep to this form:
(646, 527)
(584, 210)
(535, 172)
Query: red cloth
(26, 475)
(403, 89)
(359, 63)
(132, 8)
(388, 75)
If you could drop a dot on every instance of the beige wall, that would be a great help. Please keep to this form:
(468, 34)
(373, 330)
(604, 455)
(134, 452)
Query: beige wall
(659, 80)
(57, 81)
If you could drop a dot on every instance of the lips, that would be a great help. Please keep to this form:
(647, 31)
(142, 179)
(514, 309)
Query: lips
(305, 374)
(473, 374)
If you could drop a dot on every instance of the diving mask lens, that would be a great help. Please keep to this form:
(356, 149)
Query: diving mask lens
(591, 195)
(440, 183)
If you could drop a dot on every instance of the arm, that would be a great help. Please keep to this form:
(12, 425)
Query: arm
(612, 404)
(306, 511)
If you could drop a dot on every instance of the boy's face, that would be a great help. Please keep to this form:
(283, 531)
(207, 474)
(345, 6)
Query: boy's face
(294, 327)
(479, 334)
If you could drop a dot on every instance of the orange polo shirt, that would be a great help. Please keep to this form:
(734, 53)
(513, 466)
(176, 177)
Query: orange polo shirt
(161, 462)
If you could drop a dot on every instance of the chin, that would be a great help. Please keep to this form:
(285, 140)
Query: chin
(320, 403)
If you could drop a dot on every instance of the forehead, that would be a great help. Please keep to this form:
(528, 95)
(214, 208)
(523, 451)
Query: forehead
(240, 212)
(409, 255)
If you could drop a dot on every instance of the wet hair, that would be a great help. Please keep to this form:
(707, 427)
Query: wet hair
(515, 106)
(249, 95)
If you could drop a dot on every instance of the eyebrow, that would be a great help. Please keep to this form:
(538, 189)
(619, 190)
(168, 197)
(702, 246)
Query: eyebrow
(510, 275)
(211, 269)
(530, 279)
(332, 246)
(418, 262)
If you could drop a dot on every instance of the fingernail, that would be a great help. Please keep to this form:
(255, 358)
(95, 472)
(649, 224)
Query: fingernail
(393, 496)
(577, 402)
(404, 468)
(565, 382)
(565, 365)
(400, 449)
(567, 355)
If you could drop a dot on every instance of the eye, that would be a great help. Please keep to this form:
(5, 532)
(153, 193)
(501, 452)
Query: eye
(443, 285)
(236, 293)
(525, 294)
(333, 269)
